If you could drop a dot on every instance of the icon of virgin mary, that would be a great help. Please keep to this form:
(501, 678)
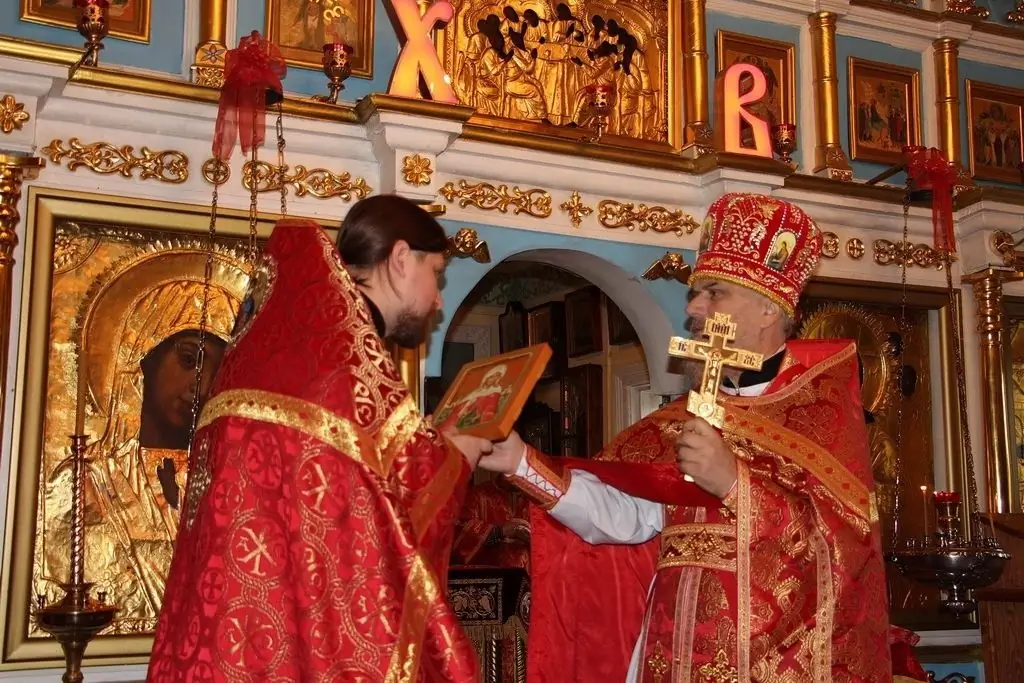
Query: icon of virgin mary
(140, 347)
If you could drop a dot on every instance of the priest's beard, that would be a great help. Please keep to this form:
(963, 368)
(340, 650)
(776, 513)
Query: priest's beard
(411, 329)
(693, 370)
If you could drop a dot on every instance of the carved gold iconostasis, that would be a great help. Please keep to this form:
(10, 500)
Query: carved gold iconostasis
(1015, 371)
(116, 292)
(871, 317)
(526, 64)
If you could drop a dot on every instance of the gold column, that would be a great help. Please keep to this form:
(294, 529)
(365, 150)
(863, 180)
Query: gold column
(698, 138)
(829, 158)
(947, 105)
(14, 169)
(999, 458)
(208, 67)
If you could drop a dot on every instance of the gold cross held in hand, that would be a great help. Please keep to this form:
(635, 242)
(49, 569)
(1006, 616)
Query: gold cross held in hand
(716, 355)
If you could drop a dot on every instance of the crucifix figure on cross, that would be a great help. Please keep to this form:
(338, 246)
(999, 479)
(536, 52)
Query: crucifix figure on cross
(716, 354)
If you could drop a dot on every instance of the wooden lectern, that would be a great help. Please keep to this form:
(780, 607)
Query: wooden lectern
(1001, 607)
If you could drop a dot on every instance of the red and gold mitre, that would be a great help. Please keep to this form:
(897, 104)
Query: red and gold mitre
(759, 242)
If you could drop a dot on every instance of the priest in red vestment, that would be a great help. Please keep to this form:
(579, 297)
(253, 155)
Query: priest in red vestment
(494, 528)
(768, 567)
(317, 526)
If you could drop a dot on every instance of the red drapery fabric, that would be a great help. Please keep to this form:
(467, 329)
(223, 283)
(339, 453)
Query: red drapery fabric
(250, 70)
(929, 169)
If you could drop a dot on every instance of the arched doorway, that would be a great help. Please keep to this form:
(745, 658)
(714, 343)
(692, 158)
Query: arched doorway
(608, 334)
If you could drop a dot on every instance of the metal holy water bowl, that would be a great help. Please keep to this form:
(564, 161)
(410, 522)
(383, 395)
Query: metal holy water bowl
(949, 561)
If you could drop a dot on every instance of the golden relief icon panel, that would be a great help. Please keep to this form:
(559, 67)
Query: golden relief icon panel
(531, 61)
(125, 310)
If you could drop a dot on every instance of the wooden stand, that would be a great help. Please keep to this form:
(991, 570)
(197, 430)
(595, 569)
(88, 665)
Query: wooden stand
(1001, 607)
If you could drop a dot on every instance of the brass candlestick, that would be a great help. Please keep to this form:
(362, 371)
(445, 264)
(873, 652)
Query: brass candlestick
(600, 99)
(337, 65)
(77, 618)
(784, 141)
(93, 25)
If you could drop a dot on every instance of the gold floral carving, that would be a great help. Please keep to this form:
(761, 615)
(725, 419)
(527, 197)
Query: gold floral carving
(1016, 17)
(166, 166)
(208, 68)
(1004, 244)
(671, 266)
(416, 169)
(613, 214)
(966, 8)
(467, 244)
(215, 171)
(899, 253)
(535, 202)
(576, 209)
(542, 78)
(855, 248)
(12, 114)
(319, 182)
(830, 245)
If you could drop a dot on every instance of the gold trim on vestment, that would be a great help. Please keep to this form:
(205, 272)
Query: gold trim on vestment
(748, 423)
(397, 430)
(711, 546)
(436, 493)
(302, 416)
(421, 592)
(821, 665)
(743, 543)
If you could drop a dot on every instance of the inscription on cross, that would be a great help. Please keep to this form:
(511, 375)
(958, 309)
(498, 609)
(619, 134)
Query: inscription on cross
(716, 354)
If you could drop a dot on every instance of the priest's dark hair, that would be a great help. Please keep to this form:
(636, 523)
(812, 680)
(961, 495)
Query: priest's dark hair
(374, 225)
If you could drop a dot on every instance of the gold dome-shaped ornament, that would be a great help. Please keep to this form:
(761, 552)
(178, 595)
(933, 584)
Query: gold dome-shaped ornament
(947, 559)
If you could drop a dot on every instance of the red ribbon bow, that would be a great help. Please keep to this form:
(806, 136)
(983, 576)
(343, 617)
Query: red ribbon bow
(929, 170)
(249, 71)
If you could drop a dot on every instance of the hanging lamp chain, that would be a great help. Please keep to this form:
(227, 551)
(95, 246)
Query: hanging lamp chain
(903, 328)
(281, 168)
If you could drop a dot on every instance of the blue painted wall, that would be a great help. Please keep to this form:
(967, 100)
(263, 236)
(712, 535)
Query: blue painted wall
(162, 53)
(761, 29)
(252, 16)
(985, 73)
(847, 47)
(463, 274)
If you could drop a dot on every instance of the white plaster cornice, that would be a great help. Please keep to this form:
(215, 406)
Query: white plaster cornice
(788, 12)
(871, 23)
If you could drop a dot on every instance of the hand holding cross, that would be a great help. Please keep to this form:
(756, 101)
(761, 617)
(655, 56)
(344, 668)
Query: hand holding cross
(716, 354)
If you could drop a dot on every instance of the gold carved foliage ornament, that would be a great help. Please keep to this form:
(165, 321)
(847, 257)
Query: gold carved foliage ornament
(487, 197)
(165, 166)
(12, 114)
(904, 253)
(319, 182)
(576, 209)
(614, 214)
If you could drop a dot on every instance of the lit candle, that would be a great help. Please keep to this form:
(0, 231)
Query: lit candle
(924, 509)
